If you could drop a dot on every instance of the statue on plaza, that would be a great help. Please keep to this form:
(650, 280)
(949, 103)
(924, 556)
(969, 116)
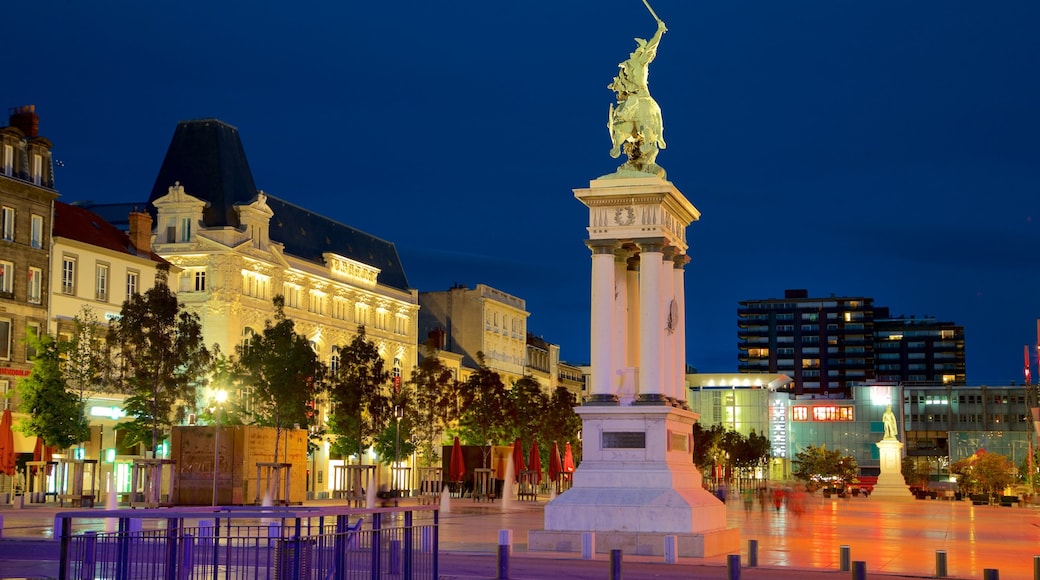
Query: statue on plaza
(635, 123)
(889, 419)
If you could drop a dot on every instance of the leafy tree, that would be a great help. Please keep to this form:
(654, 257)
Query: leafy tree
(56, 414)
(87, 359)
(530, 406)
(559, 422)
(915, 473)
(284, 372)
(985, 472)
(488, 410)
(360, 398)
(816, 466)
(430, 402)
(161, 360)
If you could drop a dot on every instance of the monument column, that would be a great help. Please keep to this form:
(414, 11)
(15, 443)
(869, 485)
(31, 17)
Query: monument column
(604, 369)
(679, 275)
(668, 387)
(651, 321)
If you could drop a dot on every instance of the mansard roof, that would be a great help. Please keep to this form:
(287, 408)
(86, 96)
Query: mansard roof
(77, 223)
(206, 156)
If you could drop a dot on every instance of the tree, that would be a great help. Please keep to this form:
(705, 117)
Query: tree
(360, 398)
(86, 357)
(430, 397)
(915, 473)
(160, 359)
(530, 406)
(984, 472)
(284, 372)
(488, 411)
(560, 422)
(817, 466)
(56, 414)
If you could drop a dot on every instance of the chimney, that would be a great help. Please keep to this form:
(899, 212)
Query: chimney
(141, 232)
(25, 119)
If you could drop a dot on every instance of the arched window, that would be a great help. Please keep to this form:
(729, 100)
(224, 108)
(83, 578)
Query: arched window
(248, 336)
(395, 375)
(334, 361)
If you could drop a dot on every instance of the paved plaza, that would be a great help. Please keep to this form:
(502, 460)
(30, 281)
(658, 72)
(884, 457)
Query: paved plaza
(895, 539)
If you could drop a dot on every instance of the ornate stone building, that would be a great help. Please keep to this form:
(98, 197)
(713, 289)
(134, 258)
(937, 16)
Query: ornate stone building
(26, 197)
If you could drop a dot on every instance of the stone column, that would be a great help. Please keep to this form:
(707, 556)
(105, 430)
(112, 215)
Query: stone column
(668, 387)
(632, 275)
(679, 274)
(620, 353)
(602, 324)
(651, 322)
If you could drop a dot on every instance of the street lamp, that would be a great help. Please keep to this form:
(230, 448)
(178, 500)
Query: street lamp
(398, 414)
(219, 398)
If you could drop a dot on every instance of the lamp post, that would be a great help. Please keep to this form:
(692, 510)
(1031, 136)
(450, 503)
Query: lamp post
(219, 398)
(398, 414)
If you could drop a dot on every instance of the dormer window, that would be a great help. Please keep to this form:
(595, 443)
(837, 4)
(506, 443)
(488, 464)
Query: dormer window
(185, 229)
(7, 161)
(37, 169)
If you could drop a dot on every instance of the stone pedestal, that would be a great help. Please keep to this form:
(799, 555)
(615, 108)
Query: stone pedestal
(890, 484)
(637, 484)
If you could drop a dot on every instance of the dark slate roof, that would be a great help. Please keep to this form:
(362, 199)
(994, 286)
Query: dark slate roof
(308, 235)
(73, 222)
(207, 158)
(117, 214)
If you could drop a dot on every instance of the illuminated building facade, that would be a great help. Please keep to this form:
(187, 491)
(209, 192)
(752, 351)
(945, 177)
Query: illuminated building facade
(26, 197)
(917, 349)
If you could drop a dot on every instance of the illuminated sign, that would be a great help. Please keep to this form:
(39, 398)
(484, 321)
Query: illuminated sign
(778, 433)
(825, 413)
(881, 395)
(110, 455)
(114, 413)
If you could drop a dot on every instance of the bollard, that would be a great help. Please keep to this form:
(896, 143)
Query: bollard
(426, 540)
(940, 563)
(733, 567)
(395, 556)
(503, 562)
(752, 553)
(2, 527)
(505, 538)
(670, 544)
(1036, 567)
(991, 574)
(844, 558)
(615, 564)
(859, 570)
(588, 540)
(187, 559)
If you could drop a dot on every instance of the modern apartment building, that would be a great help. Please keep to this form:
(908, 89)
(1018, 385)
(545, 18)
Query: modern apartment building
(27, 195)
(823, 344)
(827, 344)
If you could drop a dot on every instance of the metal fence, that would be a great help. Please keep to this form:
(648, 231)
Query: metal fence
(275, 543)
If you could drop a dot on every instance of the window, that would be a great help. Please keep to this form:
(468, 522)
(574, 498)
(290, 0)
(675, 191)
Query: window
(334, 361)
(68, 275)
(200, 280)
(248, 334)
(36, 237)
(185, 229)
(5, 339)
(131, 283)
(7, 164)
(7, 224)
(37, 169)
(7, 279)
(31, 329)
(292, 296)
(35, 285)
(101, 282)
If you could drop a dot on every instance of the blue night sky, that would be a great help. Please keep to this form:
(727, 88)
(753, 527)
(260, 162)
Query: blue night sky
(886, 149)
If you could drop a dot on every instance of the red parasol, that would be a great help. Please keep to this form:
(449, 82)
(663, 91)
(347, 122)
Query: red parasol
(6, 444)
(457, 466)
(534, 463)
(555, 464)
(568, 459)
(518, 459)
(42, 452)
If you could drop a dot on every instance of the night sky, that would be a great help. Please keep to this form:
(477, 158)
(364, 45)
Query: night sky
(885, 149)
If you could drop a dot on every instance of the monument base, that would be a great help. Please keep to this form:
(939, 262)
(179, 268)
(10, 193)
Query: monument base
(890, 484)
(705, 545)
(636, 485)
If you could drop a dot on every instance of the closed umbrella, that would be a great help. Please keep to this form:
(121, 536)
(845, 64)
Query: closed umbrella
(43, 452)
(6, 444)
(568, 459)
(555, 464)
(457, 466)
(535, 463)
(518, 459)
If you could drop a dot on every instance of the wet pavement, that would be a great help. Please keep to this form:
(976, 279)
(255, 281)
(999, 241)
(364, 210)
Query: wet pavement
(894, 539)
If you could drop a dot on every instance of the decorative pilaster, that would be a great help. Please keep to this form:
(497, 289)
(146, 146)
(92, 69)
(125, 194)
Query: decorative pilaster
(679, 283)
(668, 387)
(602, 324)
